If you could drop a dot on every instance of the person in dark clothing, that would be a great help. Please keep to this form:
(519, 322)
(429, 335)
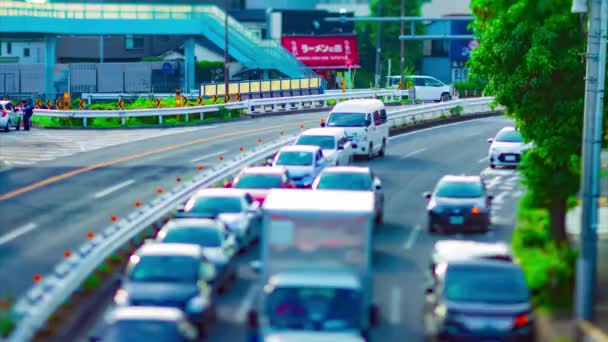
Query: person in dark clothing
(28, 111)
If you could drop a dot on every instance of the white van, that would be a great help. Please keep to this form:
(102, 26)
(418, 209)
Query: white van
(365, 123)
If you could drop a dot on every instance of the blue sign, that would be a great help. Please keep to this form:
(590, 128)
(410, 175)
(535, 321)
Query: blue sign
(460, 49)
(167, 68)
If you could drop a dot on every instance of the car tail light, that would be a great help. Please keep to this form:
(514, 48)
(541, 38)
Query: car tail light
(475, 211)
(3, 113)
(521, 321)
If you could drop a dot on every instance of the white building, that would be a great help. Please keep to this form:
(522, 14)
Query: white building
(31, 52)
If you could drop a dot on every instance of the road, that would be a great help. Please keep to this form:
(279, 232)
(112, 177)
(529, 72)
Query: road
(413, 164)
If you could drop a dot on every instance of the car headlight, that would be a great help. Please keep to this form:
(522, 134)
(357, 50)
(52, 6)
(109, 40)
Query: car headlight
(121, 298)
(196, 305)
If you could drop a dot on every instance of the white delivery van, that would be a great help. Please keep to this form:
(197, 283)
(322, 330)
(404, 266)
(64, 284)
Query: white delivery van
(366, 124)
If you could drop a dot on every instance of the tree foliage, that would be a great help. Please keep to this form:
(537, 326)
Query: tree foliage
(530, 52)
(391, 47)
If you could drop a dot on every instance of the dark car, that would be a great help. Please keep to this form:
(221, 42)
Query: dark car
(446, 251)
(479, 300)
(170, 275)
(459, 204)
(143, 324)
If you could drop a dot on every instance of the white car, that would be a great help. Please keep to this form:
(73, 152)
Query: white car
(303, 162)
(507, 148)
(366, 124)
(10, 116)
(337, 149)
(427, 88)
(235, 207)
(148, 323)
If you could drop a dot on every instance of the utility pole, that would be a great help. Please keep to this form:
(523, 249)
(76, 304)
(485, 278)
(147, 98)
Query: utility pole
(402, 42)
(226, 55)
(592, 139)
(378, 47)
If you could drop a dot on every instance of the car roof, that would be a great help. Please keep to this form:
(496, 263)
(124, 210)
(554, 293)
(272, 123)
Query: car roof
(264, 170)
(357, 105)
(461, 178)
(315, 279)
(454, 250)
(170, 249)
(347, 169)
(219, 192)
(325, 131)
(192, 222)
(320, 200)
(147, 313)
(312, 336)
(300, 148)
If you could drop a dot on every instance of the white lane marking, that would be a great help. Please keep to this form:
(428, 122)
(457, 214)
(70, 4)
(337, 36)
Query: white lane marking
(493, 182)
(483, 160)
(207, 157)
(17, 233)
(111, 189)
(415, 152)
(395, 310)
(412, 237)
(247, 302)
(498, 199)
(434, 128)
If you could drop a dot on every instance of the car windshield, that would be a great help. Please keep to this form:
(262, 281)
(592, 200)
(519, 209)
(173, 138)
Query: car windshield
(345, 181)
(509, 136)
(487, 285)
(346, 120)
(325, 142)
(460, 189)
(258, 181)
(143, 331)
(215, 205)
(313, 308)
(205, 237)
(162, 268)
(294, 158)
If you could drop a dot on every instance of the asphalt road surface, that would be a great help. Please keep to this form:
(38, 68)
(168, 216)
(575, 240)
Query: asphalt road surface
(414, 163)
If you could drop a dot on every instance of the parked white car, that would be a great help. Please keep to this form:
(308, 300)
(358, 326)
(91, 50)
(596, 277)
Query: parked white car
(366, 124)
(507, 148)
(10, 116)
(427, 88)
(337, 149)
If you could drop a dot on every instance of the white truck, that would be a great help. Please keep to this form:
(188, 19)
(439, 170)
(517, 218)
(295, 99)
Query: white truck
(316, 264)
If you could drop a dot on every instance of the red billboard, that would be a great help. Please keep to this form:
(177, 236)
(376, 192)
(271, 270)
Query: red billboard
(324, 52)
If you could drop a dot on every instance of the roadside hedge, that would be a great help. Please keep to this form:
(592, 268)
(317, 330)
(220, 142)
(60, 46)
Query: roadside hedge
(549, 267)
(472, 85)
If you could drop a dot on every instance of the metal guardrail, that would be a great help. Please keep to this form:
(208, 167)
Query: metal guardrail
(251, 107)
(41, 301)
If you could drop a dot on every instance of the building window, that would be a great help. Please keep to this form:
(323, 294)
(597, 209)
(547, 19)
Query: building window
(26, 52)
(440, 48)
(9, 48)
(134, 42)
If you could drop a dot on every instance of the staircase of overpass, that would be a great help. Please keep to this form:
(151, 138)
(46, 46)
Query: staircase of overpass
(98, 19)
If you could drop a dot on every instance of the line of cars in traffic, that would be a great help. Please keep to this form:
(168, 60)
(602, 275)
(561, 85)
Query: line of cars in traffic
(314, 216)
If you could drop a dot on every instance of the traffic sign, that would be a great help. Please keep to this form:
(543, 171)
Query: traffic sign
(214, 98)
(167, 68)
(48, 104)
(82, 104)
(157, 103)
(227, 98)
(184, 101)
(473, 44)
(238, 97)
(199, 100)
(57, 104)
(121, 104)
(38, 103)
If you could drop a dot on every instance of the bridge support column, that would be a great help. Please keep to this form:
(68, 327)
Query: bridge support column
(189, 59)
(49, 66)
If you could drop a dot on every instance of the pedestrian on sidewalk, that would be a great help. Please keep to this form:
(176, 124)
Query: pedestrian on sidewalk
(28, 111)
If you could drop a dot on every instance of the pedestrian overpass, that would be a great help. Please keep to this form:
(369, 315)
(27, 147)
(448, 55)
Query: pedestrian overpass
(48, 20)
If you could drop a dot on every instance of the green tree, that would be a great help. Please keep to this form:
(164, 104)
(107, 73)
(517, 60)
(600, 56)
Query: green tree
(366, 40)
(530, 52)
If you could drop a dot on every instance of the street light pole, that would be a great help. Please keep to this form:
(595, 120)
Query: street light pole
(226, 55)
(378, 47)
(402, 42)
(592, 139)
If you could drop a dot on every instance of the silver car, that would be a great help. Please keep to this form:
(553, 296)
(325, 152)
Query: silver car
(303, 162)
(357, 178)
(10, 116)
(235, 207)
(507, 148)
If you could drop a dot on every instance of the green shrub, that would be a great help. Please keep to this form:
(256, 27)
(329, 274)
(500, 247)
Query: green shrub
(471, 85)
(549, 267)
(456, 111)
(331, 102)
(92, 282)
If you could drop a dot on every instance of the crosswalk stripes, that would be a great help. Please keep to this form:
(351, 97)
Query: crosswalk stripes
(20, 148)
